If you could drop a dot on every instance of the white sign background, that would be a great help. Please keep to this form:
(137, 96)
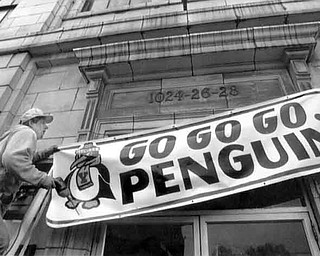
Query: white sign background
(91, 207)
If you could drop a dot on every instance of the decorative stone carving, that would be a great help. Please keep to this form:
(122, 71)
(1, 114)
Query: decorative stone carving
(193, 54)
(298, 68)
(209, 52)
(90, 111)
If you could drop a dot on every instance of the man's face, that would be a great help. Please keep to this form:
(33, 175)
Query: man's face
(39, 127)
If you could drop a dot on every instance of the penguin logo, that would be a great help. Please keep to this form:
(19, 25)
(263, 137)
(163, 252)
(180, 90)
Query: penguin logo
(88, 179)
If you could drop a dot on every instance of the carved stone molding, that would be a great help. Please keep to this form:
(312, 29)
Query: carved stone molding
(298, 68)
(93, 94)
(210, 52)
(226, 51)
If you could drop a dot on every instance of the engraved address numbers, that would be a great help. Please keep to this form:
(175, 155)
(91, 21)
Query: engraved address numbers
(193, 94)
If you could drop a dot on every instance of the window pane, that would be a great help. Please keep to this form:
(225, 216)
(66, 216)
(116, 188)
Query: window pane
(150, 240)
(285, 238)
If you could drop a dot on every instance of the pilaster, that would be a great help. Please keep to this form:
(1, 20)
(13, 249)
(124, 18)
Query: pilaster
(297, 66)
(312, 190)
(92, 96)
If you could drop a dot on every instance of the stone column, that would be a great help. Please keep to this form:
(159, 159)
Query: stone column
(94, 90)
(312, 190)
(299, 71)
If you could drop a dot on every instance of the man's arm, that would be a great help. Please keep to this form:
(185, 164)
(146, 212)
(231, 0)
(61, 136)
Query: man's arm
(18, 159)
(44, 154)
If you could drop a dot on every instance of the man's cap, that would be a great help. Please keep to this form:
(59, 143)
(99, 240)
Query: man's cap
(35, 112)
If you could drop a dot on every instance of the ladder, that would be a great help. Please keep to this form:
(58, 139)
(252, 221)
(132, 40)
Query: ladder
(20, 240)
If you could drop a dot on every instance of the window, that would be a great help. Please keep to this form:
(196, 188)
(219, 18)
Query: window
(159, 236)
(254, 232)
(87, 6)
(272, 218)
(100, 5)
(258, 232)
(4, 11)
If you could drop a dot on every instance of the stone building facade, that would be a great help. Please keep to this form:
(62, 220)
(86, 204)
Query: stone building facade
(111, 67)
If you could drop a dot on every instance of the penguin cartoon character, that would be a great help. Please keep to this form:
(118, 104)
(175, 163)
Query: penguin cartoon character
(88, 179)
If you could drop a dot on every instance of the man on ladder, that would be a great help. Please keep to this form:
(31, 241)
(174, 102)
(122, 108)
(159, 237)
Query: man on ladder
(17, 157)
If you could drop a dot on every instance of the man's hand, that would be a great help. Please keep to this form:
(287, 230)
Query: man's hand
(53, 149)
(61, 187)
(44, 154)
(48, 182)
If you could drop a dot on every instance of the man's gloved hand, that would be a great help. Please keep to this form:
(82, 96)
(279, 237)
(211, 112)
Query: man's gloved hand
(51, 150)
(61, 187)
(47, 183)
(44, 154)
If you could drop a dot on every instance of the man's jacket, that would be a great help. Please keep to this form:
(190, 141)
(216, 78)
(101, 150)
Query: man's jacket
(16, 162)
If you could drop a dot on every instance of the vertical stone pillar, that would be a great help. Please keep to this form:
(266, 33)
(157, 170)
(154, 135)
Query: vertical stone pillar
(298, 68)
(312, 189)
(299, 71)
(93, 93)
(96, 77)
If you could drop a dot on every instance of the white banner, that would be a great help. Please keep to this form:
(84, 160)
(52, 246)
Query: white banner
(175, 166)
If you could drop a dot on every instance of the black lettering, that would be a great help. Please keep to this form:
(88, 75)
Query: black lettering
(247, 165)
(265, 125)
(300, 115)
(208, 174)
(198, 140)
(137, 152)
(312, 135)
(154, 147)
(128, 188)
(262, 157)
(235, 131)
(296, 146)
(160, 179)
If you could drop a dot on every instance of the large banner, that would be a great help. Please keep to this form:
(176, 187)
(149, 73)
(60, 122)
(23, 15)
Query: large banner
(175, 166)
